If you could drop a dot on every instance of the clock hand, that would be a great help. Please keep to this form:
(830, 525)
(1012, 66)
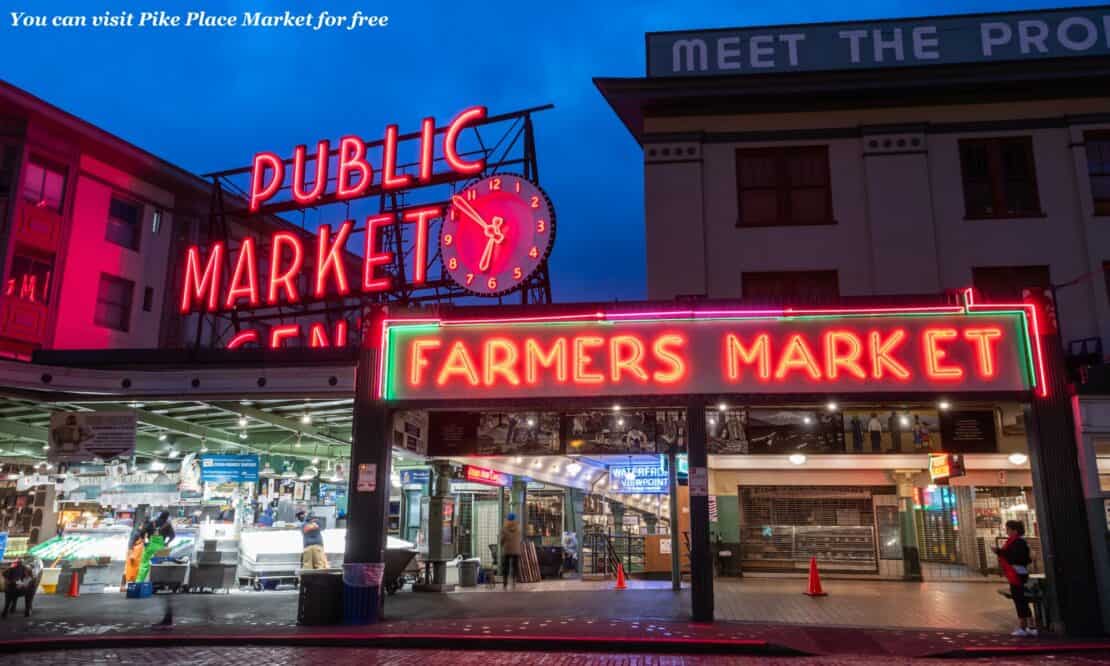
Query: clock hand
(487, 255)
(465, 207)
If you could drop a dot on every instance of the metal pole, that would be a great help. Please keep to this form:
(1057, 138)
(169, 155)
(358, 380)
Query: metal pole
(676, 556)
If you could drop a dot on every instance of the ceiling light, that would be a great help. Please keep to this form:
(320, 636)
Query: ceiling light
(162, 437)
(306, 418)
(904, 420)
(242, 435)
(517, 460)
(807, 420)
(242, 422)
(174, 453)
(45, 447)
(831, 406)
(944, 404)
(721, 407)
(135, 405)
(616, 408)
(1018, 458)
(537, 464)
(574, 468)
(157, 465)
(797, 459)
(620, 422)
(555, 468)
(531, 423)
(315, 461)
(204, 449)
(712, 421)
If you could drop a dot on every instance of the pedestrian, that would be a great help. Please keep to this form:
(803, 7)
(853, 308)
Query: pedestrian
(510, 550)
(1014, 559)
(134, 559)
(161, 538)
(857, 434)
(20, 580)
(312, 541)
(875, 429)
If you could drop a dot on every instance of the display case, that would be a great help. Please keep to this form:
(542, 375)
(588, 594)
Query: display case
(789, 548)
(84, 544)
(267, 554)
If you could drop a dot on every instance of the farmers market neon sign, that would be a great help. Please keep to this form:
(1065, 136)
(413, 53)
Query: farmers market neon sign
(958, 348)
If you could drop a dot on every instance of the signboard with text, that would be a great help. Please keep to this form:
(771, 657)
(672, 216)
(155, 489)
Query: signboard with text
(942, 40)
(228, 468)
(486, 477)
(639, 479)
(922, 350)
(82, 436)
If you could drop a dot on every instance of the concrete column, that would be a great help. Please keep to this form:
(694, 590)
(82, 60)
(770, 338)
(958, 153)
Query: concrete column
(907, 528)
(701, 559)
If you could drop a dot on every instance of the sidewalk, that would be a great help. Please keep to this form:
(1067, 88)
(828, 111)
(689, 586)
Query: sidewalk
(650, 620)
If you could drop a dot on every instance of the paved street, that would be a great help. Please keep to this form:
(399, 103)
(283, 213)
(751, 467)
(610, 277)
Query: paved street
(203, 656)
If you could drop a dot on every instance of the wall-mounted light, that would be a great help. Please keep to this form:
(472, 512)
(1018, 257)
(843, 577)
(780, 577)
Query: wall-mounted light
(797, 459)
(1018, 458)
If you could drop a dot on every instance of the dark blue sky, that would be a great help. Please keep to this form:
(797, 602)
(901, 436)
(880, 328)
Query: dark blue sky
(210, 99)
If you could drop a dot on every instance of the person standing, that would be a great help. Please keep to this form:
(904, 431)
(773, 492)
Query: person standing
(875, 429)
(894, 425)
(19, 581)
(312, 540)
(510, 550)
(162, 537)
(1014, 559)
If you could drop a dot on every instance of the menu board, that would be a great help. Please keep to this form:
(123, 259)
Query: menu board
(968, 431)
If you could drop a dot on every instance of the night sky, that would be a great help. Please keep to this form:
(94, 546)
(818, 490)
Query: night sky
(210, 99)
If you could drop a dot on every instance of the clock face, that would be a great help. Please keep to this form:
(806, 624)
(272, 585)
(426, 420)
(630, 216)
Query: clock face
(496, 234)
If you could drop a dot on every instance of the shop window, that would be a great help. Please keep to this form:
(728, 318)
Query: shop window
(999, 178)
(30, 276)
(1098, 170)
(113, 302)
(124, 223)
(791, 286)
(1006, 283)
(783, 186)
(44, 185)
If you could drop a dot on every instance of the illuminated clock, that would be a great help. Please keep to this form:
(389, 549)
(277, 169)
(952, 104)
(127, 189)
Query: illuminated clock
(497, 233)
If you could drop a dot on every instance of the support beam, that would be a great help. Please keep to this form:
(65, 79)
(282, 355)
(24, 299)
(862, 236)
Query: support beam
(278, 421)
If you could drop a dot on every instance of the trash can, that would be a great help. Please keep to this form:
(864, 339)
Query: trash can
(361, 589)
(468, 572)
(320, 600)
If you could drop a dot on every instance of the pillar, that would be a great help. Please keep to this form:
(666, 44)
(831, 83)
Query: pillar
(701, 560)
(907, 528)
(676, 554)
(617, 510)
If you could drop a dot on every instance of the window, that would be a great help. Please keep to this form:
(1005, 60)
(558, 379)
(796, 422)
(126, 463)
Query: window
(791, 286)
(1005, 283)
(156, 221)
(124, 223)
(148, 299)
(9, 160)
(1098, 170)
(44, 185)
(113, 302)
(30, 276)
(783, 186)
(999, 177)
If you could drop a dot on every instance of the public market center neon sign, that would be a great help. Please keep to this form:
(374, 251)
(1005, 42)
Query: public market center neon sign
(955, 348)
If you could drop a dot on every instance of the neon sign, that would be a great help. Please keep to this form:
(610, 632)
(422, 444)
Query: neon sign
(643, 479)
(488, 477)
(945, 348)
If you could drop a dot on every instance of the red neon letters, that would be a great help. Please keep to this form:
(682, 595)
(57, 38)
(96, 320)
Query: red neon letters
(355, 173)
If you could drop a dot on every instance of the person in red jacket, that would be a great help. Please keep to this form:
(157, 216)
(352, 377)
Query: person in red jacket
(1014, 559)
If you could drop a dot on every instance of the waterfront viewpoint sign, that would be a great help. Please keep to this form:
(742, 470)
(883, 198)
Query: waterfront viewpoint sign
(940, 40)
(945, 348)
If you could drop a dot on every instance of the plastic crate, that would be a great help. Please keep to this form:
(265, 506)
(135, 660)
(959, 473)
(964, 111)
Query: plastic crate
(140, 590)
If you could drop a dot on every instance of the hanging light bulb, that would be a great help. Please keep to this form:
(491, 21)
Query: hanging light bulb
(242, 435)
(162, 437)
(306, 418)
(242, 422)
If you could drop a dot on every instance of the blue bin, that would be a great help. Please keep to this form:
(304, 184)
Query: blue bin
(140, 590)
(360, 604)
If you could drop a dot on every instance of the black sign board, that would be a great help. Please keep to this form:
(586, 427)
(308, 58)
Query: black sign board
(968, 431)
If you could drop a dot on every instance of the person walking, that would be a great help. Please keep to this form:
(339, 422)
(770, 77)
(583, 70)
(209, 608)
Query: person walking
(510, 550)
(312, 540)
(163, 535)
(1014, 559)
(875, 429)
(19, 581)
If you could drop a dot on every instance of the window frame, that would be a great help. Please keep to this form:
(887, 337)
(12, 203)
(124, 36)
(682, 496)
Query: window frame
(783, 189)
(1102, 135)
(997, 177)
(47, 166)
(34, 257)
(747, 277)
(138, 226)
(128, 307)
(1009, 275)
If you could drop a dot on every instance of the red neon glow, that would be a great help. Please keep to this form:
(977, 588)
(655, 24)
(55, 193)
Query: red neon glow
(759, 352)
(836, 359)
(485, 476)
(285, 281)
(352, 160)
(390, 179)
(798, 356)
(300, 194)
(329, 259)
(203, 287)
(427, 149)
(534, 358)
(245, 266)
(582, 360)
(882, 354)
(985, 352)
(420, 217)
(279, 334)
(668, 349)
(318, 336)
(341, 333)
(373, 257)
(499, 360)
(626, 356)
(419, 361)
(459, 364)
(250, 335)
(1041, 378)
(260, 190)
(935, 367)
(451, 141)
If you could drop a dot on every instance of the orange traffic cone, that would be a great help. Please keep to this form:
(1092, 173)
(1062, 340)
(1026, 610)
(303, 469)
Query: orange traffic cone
(621, 585)
(814, 580)
(74, 585)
